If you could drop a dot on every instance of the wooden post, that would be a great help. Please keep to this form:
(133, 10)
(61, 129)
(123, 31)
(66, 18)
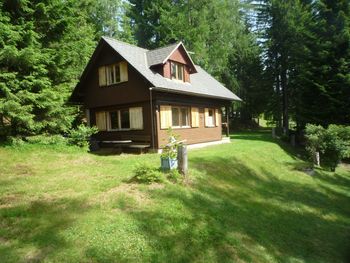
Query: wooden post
(227, 110)
(182, 159)
(273, 132)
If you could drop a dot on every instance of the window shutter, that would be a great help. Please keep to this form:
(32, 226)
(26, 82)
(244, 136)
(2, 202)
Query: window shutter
(217, 117)
(136, 118)
(102, 76)
(206, 117)
(101, 120)
(123, 71)
(195, 117)
(165, 117)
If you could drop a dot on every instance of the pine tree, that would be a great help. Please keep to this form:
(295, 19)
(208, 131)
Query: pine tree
(41, 55)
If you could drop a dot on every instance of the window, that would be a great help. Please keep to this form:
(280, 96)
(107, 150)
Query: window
(124, 119)
(180, 116)
(209, 117)
(177, 71)
(113, 74)
(114, 120)
(177, 117)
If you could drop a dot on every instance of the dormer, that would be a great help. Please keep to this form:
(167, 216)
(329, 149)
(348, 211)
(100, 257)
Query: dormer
(172, 62)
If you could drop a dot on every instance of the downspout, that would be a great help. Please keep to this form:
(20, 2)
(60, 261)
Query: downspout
(152, 121)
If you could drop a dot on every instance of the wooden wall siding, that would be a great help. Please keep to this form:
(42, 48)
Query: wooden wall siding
(181, 99)
(116, 135)
(134, 90)
(192, 135)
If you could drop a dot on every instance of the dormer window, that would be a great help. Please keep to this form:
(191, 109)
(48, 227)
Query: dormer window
(113, 74)
(177, 71)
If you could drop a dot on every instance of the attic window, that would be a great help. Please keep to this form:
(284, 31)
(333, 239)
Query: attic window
(113, 74)
(177, 71)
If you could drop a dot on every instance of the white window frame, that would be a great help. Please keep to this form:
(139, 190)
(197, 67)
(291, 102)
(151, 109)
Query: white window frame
(180, 117)
(211, 125)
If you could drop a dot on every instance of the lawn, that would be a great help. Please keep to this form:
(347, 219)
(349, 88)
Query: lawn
(248, 201)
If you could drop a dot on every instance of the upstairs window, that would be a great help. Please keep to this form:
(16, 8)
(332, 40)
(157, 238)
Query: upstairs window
(113, 74)
(177, 71)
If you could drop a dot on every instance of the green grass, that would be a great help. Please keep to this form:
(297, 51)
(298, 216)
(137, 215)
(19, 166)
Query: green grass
(247, 201)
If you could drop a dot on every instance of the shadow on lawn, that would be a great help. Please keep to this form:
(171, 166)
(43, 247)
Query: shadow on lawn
(36, 226)
(234, 213)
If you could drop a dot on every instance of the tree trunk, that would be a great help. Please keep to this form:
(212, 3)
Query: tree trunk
(285, 112)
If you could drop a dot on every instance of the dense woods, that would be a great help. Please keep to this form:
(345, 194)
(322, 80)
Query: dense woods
(287, 59)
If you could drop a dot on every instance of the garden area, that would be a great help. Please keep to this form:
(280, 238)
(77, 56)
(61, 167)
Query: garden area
(248, 201)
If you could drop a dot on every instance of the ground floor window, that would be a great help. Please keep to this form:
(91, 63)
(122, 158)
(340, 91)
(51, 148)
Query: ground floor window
(209, 117)
(123, 119)
(174, 116)
(180, 117)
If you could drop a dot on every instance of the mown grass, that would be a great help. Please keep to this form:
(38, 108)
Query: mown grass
(248, 201)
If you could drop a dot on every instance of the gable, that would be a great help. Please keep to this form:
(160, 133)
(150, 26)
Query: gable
(89, 91)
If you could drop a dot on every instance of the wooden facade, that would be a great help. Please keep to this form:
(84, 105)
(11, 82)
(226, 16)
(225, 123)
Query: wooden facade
(136, 92)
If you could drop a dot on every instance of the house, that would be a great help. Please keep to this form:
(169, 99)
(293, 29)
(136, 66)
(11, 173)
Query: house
(134, 95)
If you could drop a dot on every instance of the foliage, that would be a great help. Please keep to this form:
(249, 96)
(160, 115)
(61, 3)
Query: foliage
(145, 173)
(306, 46)
(81, 135)
(40, 59)
(170, 149)
(15, 141)
(46, 139)
(333, 143)
(174, 176)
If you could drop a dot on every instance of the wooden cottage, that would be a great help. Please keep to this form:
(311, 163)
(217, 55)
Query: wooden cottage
(134, 95)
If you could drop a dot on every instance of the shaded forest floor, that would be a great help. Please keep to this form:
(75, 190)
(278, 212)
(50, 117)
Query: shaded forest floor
(248, 201)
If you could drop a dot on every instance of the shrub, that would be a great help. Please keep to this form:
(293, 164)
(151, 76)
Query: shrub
(81, 135)
(315, 136)
(145, 173)
(15, 141)
(337, 141)
(332, 143)
(174, 176)
(46, 139)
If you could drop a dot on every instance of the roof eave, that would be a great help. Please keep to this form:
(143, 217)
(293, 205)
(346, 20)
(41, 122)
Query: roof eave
(195, 94)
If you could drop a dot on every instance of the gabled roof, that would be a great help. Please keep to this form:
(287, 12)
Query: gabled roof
(161, 55)
(202, 84)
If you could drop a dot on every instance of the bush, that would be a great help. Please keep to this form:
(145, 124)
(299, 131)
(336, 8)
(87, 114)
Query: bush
(45, 139)
(15, 141)
(332, 143)
(174, 176)
(80, 136)
(145, 173)
(337, 141)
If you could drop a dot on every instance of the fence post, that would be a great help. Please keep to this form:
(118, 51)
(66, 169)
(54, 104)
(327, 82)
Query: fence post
(273, 132)
(182, 159)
